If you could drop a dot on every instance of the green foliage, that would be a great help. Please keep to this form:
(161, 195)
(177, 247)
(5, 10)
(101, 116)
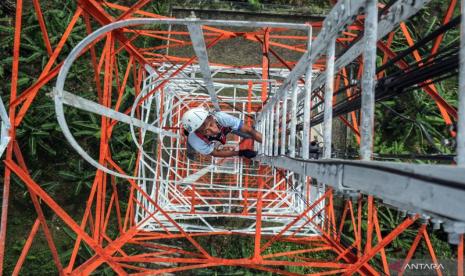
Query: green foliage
(292, 7)
(411, 122)
(255, 4)
(242, 246)
(53, 164)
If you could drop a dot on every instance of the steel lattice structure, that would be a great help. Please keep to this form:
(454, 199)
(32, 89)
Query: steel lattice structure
(281, 196)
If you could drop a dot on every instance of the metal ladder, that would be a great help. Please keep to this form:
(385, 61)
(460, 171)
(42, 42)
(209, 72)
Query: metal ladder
(286, 147)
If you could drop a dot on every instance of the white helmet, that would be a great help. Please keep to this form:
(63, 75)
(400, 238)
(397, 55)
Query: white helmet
(194, 118)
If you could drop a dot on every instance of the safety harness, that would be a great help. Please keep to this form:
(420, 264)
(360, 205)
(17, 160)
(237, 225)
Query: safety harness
(221, 137)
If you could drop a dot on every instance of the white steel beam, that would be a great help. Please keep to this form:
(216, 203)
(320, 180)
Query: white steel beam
(4, 128)
(198, 42)
(412, 187)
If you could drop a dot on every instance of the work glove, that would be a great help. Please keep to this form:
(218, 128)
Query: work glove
(247, 153)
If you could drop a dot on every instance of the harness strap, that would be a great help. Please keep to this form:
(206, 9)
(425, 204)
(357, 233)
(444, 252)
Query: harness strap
(221, 137)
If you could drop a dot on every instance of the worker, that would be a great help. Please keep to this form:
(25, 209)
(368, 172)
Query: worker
(206, 128)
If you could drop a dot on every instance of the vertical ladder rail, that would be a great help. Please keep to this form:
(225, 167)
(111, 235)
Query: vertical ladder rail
(368, 80)
(307, 103)
(328, 111)
(276, 130)
(284, 125)
(262, 130)
(293, 119)
(271, 131)
(268, 133)
(461, 105)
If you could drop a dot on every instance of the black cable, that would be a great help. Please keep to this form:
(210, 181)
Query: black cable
(451, 24)
(424, 62)
(393, 85)
(385, 8)
(418, 124)
(448, 64)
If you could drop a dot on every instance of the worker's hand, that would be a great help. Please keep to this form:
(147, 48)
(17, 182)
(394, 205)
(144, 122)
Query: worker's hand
(228, 147)
(247, 153)
(257, 136)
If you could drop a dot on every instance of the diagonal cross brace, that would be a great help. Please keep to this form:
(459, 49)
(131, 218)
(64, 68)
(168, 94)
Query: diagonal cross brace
(190, 179)
(198, 42)
(90, 106)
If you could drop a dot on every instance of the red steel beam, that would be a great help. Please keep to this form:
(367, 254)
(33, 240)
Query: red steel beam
(12, 132)
(447, 18)
(412, 249)
(26, 247)
(40, 213)
(24, 176)
(379, 236)
(460, 256)
(42, 26)
(445, 108)
(381, 244)
(30, 98)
